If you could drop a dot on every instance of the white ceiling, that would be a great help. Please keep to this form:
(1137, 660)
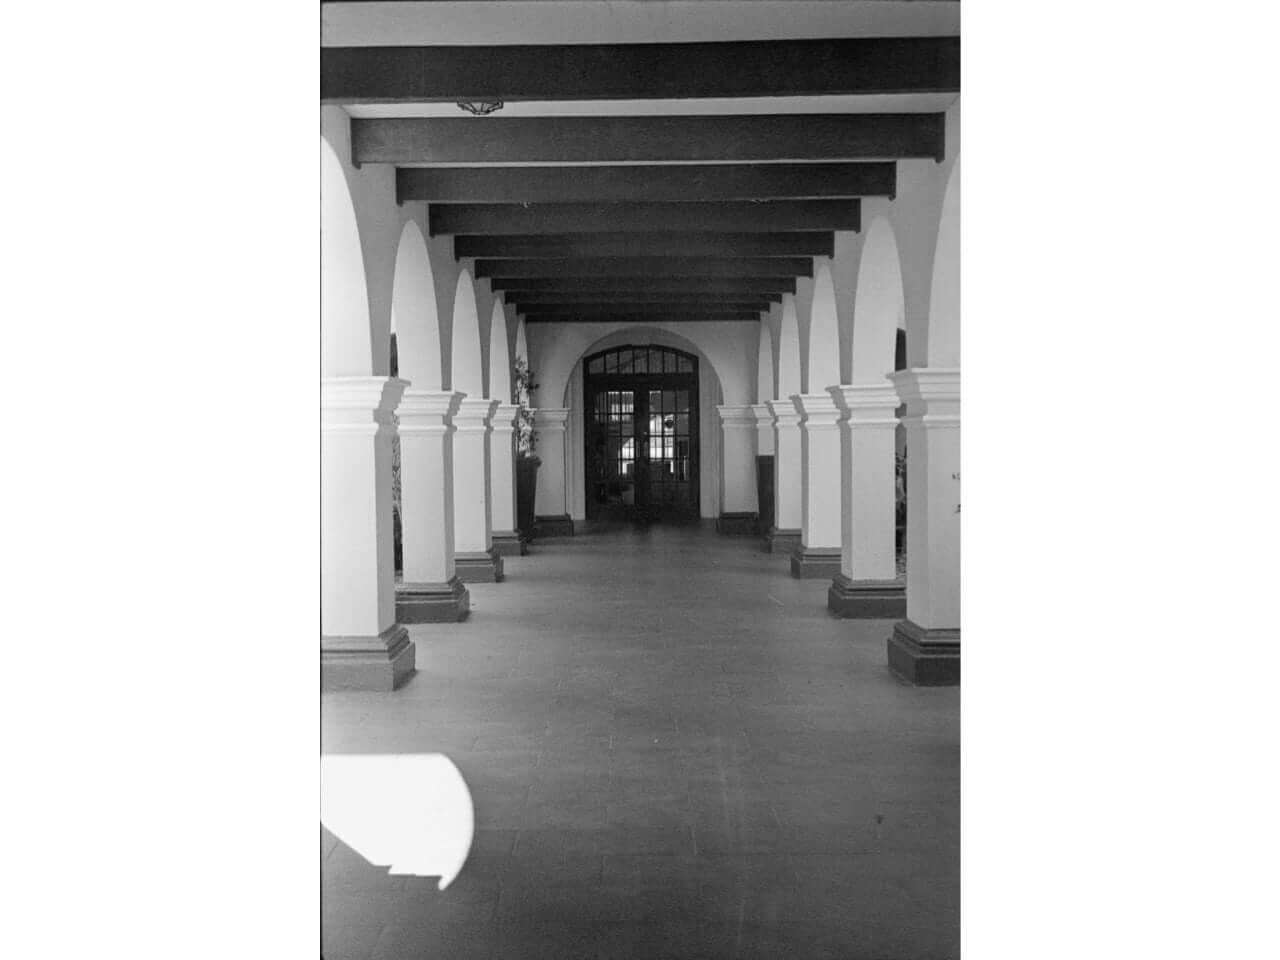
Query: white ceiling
(629, 21)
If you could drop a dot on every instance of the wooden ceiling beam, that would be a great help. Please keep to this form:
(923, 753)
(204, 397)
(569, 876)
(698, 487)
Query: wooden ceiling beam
(640, 71)
(670, 183)
(640, 306)
(630, 139)
(801, 244)
(767, 216)
(640, 317)
(634, 294)
(766, 283)
(648, 267)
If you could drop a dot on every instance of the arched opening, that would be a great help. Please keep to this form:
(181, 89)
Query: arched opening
(824, 335)
(345, 339)
(499, 358)
(788, 350)
(641, 434)
(467, 372)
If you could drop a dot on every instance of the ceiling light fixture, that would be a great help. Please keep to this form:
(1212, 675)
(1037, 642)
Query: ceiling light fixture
(482, 108)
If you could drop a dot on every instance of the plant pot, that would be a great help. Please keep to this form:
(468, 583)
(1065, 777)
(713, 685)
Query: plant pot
(526, 489)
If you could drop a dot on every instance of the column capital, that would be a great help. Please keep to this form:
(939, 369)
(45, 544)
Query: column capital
(816, 410)
(784, 412)
(504, 416)
(428, 405)
(762, 413)
(932, 394)
(866, 403)
(736, 415)
(354, 402)
(550, 418)
(474, 415)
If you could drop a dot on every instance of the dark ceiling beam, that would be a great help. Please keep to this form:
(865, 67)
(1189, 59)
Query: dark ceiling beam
(648, 267)
(640, 71)
(639, 317)
(766, 283)
(676, 139)
(803, 244)
(635, 294)
(705, 181)
(613, 309)
(729, 216)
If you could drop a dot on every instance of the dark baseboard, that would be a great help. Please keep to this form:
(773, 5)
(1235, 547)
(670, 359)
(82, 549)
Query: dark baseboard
(561, 526)
(737, 524)
(809, 563)
(432, 602)
(924, 658)
(507, 543)
(781, 541)
(867, 599)
(483, 567)
(379, 664)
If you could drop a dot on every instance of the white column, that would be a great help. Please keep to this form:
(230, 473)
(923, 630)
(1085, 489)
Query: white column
(867, 585)
(502, 480)
(925, 648)
(764, 429)
(785, 535)
(738, 513)
(431, 590)
(361, 645)
(475, 557)
(819, 553)
(551, 500)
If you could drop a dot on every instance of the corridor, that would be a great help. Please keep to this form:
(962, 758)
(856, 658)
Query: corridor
(673, 751)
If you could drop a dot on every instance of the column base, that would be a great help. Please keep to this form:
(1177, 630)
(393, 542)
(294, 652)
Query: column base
(781, 541)
(432, 602)
(378, 664)
(924, 658)
(508, 544)
(815, 563)
(867, 599)
(737, 524)
(558, 526)
(483, 567)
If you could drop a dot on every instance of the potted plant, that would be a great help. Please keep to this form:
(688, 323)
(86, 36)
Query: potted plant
(527, 461)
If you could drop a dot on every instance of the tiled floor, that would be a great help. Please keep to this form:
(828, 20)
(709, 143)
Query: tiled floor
(673, 751)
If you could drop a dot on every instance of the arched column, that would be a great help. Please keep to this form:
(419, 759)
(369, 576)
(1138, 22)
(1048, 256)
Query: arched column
(502, 440)
(361, 644)
(925, 647)
(867, 585)
(475, 558)
(818, 556)
(551, 500)
(430, 590)
(784, 535)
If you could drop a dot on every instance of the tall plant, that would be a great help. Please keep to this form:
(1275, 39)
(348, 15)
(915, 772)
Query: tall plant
(523, 387)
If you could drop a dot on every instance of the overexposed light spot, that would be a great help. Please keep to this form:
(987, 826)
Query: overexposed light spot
(409, 812)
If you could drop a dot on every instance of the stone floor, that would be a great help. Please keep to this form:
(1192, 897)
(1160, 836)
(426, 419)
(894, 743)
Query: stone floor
(673, 751)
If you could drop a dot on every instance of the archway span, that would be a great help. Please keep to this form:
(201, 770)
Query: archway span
(944, 291)
(878, 307)
(467, 373)
(824, 336)
(645, 335)
(414, 316)
(788, 350)
(766, 382)
(346, 342)
(499, 357)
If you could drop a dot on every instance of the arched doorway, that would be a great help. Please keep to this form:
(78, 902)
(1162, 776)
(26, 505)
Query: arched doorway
(641, 434)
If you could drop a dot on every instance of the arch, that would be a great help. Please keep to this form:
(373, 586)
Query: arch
(640, 336)
(824, 334)
(467, 372)
(414, 317)
(879, 305)
(499, 359)
(944, 289)
(788, 350)
(346, 340)
(766, 383)
(522, 341)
